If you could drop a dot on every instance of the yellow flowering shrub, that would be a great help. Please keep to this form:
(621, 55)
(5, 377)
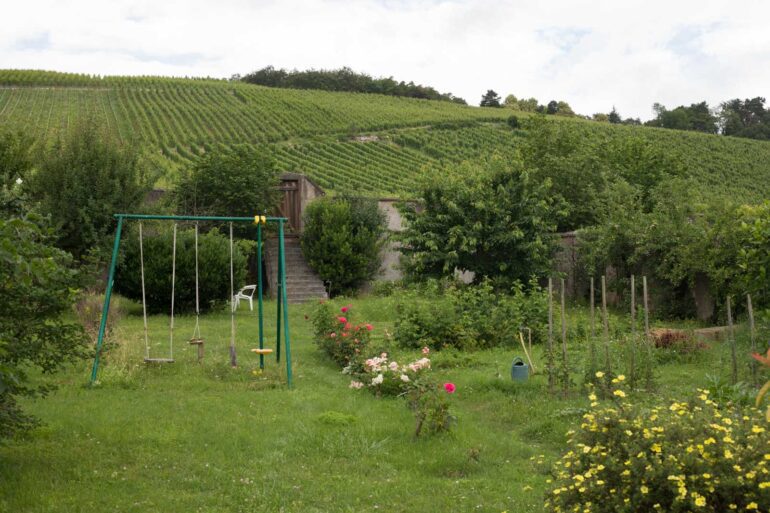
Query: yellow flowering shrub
(681, 457)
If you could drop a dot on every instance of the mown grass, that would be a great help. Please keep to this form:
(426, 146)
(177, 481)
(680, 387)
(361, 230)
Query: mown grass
(189, 437)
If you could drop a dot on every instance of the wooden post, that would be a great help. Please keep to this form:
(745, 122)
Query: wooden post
(605, 321)
(565, 368)
(731, 334)
(752, 335)
(593, 319)
(550, 335)
(632, 346)
(646, 309)
(633, 307)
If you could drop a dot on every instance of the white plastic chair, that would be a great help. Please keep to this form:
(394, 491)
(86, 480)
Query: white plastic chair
(247, 293)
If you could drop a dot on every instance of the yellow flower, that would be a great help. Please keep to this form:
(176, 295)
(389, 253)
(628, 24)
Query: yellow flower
(644, 489)
(757, 429)
(752, 505)
(728, 454)
(763, 485)
(619, 393)
(700, 501)
(655, 448)
(592, 397)
(599, 374)
(621, 377)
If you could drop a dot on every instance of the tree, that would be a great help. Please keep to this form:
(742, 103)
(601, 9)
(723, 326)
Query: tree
(600, 117)
(490, 99)
(342, 240)
(564, 109)
(238, 181)
(696, 117)
(488, 217)
(614, 116)
(511, 102)
(83, 180)
(36, 300)
(15, 167)
(552, 108)
(528, 105)
(747, 118)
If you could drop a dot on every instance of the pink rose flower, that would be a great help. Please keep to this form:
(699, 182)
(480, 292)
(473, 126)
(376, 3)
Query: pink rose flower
(450, 388)
(425, 350)
(344, 309)
(369, 327)
(342, 320)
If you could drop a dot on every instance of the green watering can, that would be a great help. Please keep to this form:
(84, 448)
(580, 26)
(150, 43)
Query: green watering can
(519, 370)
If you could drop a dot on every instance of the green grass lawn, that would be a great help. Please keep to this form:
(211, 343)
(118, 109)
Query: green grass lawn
(208, 438)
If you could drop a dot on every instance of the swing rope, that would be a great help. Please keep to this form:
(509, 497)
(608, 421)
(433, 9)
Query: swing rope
(233, 361)
(197, 330)
(144, 298)
(173, 286)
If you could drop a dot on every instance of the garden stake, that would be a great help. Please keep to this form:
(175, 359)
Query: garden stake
(752, 334)
(632, 348)
(646, 309)
(606, 325)
(731, 334)
(633, 307)
(565, 368)
(592, 346)
(549, 363)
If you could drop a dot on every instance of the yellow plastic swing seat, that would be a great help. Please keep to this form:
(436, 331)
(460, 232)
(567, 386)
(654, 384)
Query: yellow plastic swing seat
(158, 360)
(262, 351)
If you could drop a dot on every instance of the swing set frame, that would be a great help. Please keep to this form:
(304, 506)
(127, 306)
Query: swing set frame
(282, 297)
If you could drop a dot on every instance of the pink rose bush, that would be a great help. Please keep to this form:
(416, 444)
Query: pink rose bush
(385, 377)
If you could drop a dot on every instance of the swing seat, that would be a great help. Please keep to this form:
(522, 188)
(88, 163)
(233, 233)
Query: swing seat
(158, 360)
(196, 342)
(262, 351)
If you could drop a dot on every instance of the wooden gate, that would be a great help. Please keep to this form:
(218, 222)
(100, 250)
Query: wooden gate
(290, 206)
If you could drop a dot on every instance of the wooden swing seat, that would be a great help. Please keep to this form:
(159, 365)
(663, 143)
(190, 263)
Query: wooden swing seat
(158, 360)
(262, 351)
(196, 342)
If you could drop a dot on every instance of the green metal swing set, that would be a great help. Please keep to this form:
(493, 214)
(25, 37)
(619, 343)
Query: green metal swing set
(282, 297)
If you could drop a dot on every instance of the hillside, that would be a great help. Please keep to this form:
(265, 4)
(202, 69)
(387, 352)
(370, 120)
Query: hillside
(318, 133)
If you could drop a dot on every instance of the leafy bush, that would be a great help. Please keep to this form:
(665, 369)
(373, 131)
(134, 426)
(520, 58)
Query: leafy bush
(472, 317)
(488, 217)
(15, 166)
(214, 269)
(342, 240)
(240, 181)
(36, 298)
(337, 336)
(686, 456)
(386, 378)
(82, 181)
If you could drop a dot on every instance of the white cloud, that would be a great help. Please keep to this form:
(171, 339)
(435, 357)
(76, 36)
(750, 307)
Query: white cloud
(593, 54)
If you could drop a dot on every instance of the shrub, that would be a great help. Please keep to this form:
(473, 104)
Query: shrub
(513, 121)
(82, 181)
(36, 335)
(686, 456)
(470, 317)
(386, 378)
(488, 217)
(214, 269)
(342, 241)
(337, 336)
(237, 181)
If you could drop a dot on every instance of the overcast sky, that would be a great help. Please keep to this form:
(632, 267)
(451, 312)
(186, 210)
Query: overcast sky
(593, 54)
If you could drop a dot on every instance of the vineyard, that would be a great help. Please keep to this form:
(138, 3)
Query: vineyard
(320, 133)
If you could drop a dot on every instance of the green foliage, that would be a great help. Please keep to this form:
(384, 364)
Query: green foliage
(343, 79)
(342, 241)
(490, 217)
(213, 263)
(239, 182)
(686, 456)
(336, 334)
(697, 117)
(754, 253)
(513, 122)
(82, 181)
(746, 118)
(15, 165)
(471, 317)
(490, 99)
(36, 335)
(430, 404)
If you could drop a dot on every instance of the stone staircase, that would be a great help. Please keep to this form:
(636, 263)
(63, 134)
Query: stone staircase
(302, 284)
